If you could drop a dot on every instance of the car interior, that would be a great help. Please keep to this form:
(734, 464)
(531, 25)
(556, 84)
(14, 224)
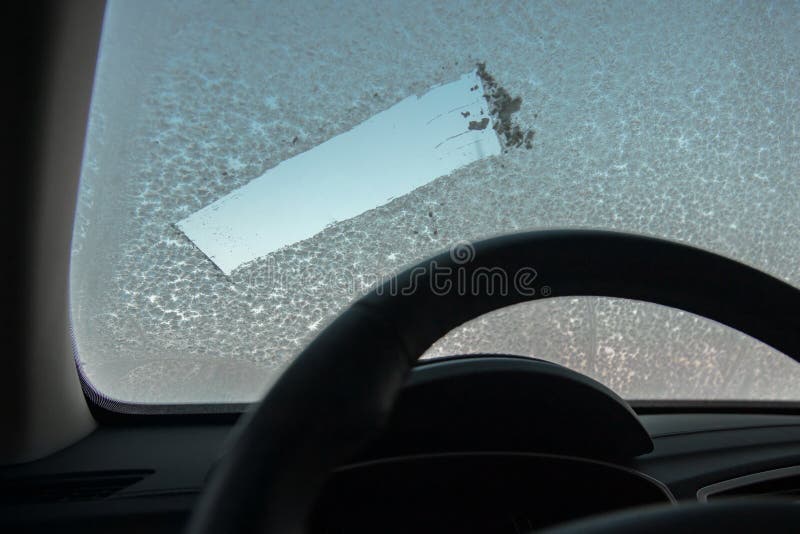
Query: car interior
(357, 434)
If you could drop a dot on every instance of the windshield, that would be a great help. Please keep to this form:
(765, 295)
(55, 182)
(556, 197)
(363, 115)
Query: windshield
(251, 167)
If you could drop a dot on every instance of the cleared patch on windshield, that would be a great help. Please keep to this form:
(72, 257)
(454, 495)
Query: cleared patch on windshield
(387, 156)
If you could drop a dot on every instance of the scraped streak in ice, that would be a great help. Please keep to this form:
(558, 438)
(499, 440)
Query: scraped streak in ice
(389, 155)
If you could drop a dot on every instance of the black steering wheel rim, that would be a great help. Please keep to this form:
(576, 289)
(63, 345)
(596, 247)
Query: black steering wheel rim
(336, 394)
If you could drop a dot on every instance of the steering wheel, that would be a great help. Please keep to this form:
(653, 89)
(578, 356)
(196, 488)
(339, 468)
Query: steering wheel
(333, 398)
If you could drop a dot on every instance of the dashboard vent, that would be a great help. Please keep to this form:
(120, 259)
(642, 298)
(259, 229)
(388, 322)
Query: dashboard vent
(68, 487)
(777, 483)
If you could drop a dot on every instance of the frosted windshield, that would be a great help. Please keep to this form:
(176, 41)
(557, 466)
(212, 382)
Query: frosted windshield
(678, 120)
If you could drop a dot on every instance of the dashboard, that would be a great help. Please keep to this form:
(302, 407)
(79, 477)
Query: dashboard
(478, 493)
(442, 465)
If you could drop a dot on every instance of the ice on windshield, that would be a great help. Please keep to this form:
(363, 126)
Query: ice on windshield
(678, 120)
